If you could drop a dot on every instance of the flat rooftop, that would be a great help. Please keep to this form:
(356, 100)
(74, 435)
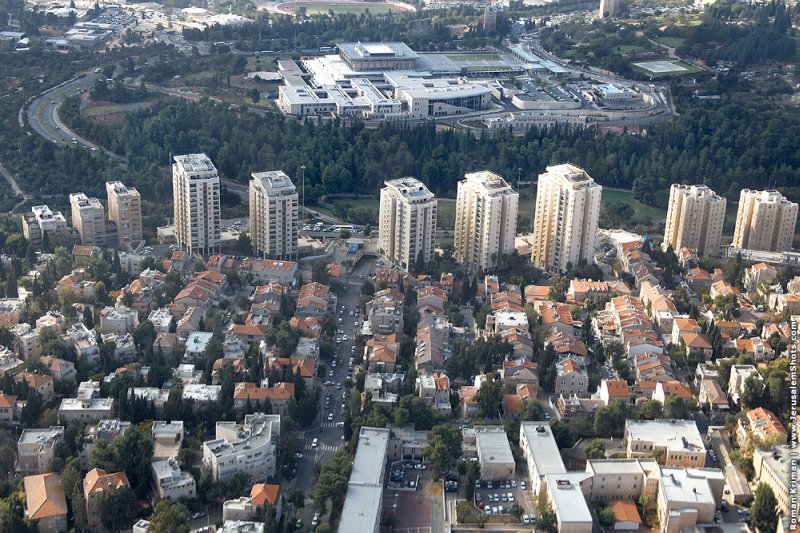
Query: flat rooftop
(543, 447)
(362, 505)
(667, 433)
(684, 485)
(195, 163)
(377, 50)
(568, 500)
(493, 445)
(273, 179)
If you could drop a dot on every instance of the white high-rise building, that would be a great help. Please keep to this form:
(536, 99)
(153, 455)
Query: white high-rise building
(765, 221)
(273, 215)
(407, 223)
(195, 188)
(694, 219)
(565, 218)
(125, 208)
(486, 220)
(88, 217)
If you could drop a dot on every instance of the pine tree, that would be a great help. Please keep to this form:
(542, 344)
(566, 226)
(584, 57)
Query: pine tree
(764, 510)
(88, 318)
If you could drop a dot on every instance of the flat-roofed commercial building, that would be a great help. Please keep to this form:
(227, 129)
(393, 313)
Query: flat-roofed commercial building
(565, 218)
(678, 440)
(694, 219)
(364, 501)
(407, 223)
(125, 208)
(196, 203)
(541, 453)
(765, 221)
(88, 217)
(273, 215)
(494, 453)
(486, 220)
(378, 56)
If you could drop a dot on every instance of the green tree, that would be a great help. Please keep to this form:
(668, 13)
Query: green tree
(610, 420)
(412, 409)
(558, 288)
(596, 449)
(676, 407)
(169, 518)
(764, 511)
(117, 508)
(489, 396)
(752, 393)
(444, 448)
(606, 517)
(651, 409)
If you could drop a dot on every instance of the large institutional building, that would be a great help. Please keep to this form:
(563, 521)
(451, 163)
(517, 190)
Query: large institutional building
(486, 220)
(88, 217)
(195, 188)
(565, 219)
(377, 80)
(273, 215)
(407, 220)
(125, 209)
(765, 221)
(694, 219)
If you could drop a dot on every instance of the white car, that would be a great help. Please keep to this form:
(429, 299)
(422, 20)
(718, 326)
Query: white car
(314, 442)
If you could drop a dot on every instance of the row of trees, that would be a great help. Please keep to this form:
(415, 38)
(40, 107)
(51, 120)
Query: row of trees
(753, 147)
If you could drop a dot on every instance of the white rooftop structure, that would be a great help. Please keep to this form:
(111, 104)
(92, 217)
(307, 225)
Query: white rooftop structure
(569, 504)
(541, 452)
(666, 433)
(241, 526)
(362, 506)
(494, 453)
(197, 341)
(201, 392)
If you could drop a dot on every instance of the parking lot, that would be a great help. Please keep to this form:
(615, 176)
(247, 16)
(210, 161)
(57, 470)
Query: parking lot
(498, 497)
(405, 474)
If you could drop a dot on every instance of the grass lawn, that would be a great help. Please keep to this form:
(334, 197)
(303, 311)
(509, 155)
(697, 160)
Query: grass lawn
(473, 57)
(672, 42)
(642, 211)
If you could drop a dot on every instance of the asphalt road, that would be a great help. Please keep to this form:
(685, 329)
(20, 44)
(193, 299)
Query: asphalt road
(42, 115)
(327, 433)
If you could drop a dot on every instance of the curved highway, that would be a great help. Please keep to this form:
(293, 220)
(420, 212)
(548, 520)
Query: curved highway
(42, 115)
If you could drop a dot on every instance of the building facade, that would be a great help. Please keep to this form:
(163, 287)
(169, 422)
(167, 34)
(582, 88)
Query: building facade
(765, 221)
(407, 223)
(196, 197)
(565, 219)
(273, 215)
(694, 219)
(40, 221)
(250, 447)
(486, 220)
(88, 217)
(125, 209)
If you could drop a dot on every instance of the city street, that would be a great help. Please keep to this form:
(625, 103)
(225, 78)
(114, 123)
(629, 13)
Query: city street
(327, 432)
